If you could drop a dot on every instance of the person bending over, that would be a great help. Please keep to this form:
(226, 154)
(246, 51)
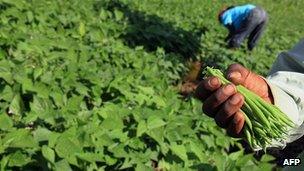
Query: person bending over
(242, 22)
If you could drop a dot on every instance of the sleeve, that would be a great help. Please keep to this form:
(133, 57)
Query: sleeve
(226, 18)
(286, 82)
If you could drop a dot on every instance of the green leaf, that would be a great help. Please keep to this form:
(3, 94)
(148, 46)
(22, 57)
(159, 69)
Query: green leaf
(266, 166)
(113, 122)
(42, 134)
(18, 159)
(58, 97)
(73, 103)
(126, 164)
(4, 162)
(155, 122)
(157, 134)
(40, 105)
(81, 29)
(209, 140)
(27, 84)
(38, 72)
(30, 117)
(220, 160)
(195, 148)
(62, 165)
(91, 157)
(140, 167)
(267, 158)
(236, 155)
(141, 128)
(110, 160)
(30, 16)
(67, 146)
(222, 142)
(146, 90)
(118, 15)
(83, 90)
(5, 122)
(20, 138)
(16, 106)
(48, 153)
(42, 90)
(5, 72)
(118, 134)
(245, 160)
(7, 93)
(180, 151)
(8, 77)
(53, 139)
(159, 101)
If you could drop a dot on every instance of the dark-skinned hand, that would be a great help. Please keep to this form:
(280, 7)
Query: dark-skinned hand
(223, 102)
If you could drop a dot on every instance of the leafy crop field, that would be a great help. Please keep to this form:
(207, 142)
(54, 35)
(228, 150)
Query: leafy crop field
(92, 85)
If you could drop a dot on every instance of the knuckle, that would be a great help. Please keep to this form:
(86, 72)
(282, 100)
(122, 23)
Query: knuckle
(224, 92)
(223, 118)
(207, 110)
(242, 99)
(219, 95)
(227, 109)
(220, 123)
(219, 120)
(236, 100)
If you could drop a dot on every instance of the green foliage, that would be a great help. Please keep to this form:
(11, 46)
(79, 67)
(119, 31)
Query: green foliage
(89, 85)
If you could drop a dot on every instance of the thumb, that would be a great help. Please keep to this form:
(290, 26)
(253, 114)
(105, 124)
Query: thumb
(235, 77)
(238, 74)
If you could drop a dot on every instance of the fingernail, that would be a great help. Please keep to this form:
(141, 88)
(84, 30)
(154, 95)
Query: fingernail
(228, 89)
(235, 75)
(235, 100)
(213, 82)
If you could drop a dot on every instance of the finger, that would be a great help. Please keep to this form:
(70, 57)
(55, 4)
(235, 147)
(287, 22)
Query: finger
(230, 107)
(238, 74)
(236, 125)
(212, 103)
(206, 87)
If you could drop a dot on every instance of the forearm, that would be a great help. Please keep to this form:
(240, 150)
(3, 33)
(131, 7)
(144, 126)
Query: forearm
(231, 29)
(286, 83)
(287, 93)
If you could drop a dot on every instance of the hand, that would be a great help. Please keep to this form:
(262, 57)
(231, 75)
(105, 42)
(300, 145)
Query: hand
(223, 102)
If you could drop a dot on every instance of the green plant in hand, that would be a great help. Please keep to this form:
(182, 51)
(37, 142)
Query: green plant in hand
(264, 122)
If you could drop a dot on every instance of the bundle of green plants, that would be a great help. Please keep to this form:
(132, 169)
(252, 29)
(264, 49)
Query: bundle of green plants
(264, 122)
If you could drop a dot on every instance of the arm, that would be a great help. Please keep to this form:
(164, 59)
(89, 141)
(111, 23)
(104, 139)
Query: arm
(227, 22)
(286, 81)
(231, 31)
